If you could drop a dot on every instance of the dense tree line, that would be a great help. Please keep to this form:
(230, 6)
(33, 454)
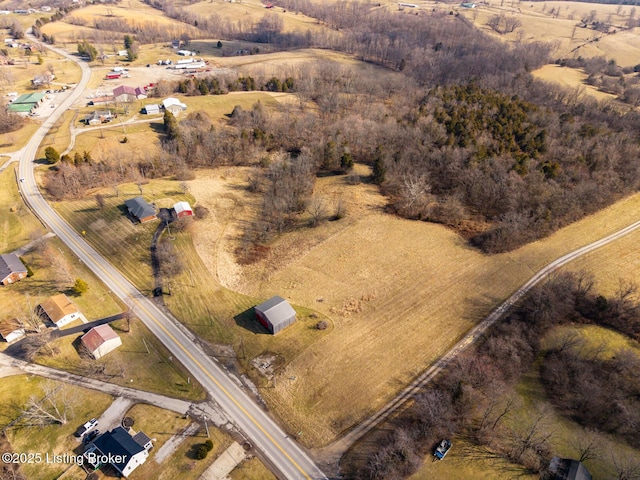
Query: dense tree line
(472, 398)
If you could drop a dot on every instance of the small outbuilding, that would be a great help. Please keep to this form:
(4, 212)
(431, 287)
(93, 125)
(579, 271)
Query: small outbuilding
(140, 209)
(11, 330)
(275, 314)
(59, 309)
(152, 109)
(183, 209)
(11, 269)
(100, 340)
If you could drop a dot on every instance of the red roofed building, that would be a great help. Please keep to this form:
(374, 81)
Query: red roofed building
(101, 340)
(183, 209)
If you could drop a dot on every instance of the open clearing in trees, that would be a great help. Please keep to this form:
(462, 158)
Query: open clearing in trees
(388, 284)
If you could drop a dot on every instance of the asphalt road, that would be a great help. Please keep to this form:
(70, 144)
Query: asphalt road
(286, 458)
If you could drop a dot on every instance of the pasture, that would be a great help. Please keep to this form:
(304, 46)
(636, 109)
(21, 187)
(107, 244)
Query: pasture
(399, 293)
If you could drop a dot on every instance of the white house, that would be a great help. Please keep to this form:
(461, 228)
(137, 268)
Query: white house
(152, 109)
(123, 452)
(173, 105)
(59, 310)
(186, 53)
(11, 330)
(100, 340)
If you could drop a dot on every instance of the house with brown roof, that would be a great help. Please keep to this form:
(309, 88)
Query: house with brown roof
(11, 330)
(11, 269)
(59, 310)
(100, 340)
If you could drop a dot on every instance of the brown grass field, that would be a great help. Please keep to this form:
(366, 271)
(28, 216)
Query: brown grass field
(571, 78)
(538, 23)
(252, 12)
(399, 293)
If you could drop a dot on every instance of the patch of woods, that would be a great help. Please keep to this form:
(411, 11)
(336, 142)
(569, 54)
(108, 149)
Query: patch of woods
(9, 121)
(474, 398)
(462, 135)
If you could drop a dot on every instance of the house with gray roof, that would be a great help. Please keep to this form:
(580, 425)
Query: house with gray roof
(11, 269)
(275, 314)
(140, 209)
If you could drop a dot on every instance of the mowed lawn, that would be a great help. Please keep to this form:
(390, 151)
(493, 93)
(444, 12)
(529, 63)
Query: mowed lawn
(110, 230)
(161, 425)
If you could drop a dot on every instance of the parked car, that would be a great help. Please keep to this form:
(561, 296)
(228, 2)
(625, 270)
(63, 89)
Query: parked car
(442, 449)
(87, 427)
(91, 435)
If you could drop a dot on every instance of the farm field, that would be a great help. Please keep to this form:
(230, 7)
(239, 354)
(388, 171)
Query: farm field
(558, 21)
(252, 12)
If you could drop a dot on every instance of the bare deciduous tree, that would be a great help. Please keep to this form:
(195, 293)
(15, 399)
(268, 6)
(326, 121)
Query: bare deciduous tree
(53, 408)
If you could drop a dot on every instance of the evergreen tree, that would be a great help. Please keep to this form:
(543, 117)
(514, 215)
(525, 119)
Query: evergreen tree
(171, 125)
(51, 154)
(379, 168)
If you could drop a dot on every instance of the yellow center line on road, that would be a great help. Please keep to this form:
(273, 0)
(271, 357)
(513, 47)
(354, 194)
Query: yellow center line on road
(117, 281)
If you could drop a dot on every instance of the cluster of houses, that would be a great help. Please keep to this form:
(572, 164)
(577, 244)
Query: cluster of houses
(59, 311)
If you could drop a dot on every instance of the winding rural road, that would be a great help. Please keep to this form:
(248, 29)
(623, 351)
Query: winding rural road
(284, 455)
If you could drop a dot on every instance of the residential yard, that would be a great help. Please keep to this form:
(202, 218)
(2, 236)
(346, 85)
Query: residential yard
(102, 226)
(160, 425)
(142, 362)
(81, 405)
(55, 270)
